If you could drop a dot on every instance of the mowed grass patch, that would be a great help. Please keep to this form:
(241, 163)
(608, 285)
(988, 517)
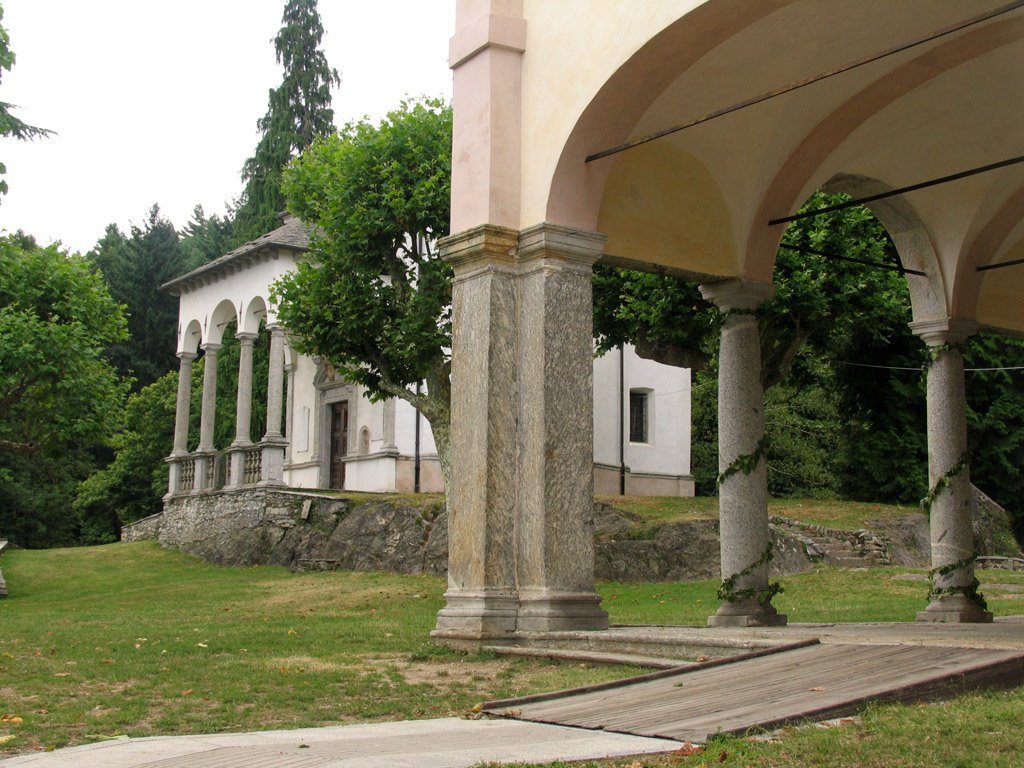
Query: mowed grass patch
(137, 640)
(845, 515)
(824, 595)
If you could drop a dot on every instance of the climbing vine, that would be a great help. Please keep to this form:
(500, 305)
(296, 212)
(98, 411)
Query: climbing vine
(970, 591)
(932, 354)
(727, 592)
(745, 464)
(943, 483)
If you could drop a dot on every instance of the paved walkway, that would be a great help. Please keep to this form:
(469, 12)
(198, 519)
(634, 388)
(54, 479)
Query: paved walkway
(447, 743)
(454, 743)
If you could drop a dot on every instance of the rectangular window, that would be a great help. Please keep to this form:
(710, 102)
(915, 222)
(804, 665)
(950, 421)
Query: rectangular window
(638, 416)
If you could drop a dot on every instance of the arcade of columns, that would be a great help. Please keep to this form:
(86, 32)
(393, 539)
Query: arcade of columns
(520, 505)
(521, 512)
(248, 463)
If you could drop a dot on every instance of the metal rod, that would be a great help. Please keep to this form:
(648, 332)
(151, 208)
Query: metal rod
(622, 420)
(416, 448)
(900, 190)
(1001, 264)
(809, 80)
(890, 267)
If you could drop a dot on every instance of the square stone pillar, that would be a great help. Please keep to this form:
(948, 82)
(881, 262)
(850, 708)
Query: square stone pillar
(481, 599)
(555, 527)
(949, 502)
(743, 474)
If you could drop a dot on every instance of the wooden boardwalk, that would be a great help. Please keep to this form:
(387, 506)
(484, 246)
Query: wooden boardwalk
(768, 689)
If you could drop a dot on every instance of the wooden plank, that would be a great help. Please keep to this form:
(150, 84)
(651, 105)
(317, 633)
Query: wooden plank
(736, 696)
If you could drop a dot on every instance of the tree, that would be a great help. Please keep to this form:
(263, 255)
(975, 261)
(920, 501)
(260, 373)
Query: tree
(299, 112)
(825, 310)
(205, 238)
(374, 298)
(134, 268)
(59, 397)
(9, 124)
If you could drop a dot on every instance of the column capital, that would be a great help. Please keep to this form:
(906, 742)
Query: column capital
(949, 330)
(185, 355)
(553, 240)
(481, 246)
(210, 347)
(737, 294)
(246, 337)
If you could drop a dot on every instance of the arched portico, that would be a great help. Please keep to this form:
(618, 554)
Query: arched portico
(543, 91)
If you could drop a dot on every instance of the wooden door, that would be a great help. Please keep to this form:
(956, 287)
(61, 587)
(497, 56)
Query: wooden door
(339, 443)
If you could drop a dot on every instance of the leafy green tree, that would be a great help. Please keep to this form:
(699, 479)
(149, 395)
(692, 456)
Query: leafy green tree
(9, 124)
(59, 397)
(825, 310)
(374, 298)
(299, 112)
(205, 238)
(134, 268)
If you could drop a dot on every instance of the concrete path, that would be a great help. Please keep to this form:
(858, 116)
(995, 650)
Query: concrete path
(446, 743)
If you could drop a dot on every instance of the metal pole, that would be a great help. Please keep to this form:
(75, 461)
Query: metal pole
(416, 450)
(622, 420)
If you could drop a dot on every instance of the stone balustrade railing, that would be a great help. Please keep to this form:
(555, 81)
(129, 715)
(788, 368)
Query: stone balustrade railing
(236, 467)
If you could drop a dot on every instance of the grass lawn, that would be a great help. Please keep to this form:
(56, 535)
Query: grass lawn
(133, 639)
(846, 515)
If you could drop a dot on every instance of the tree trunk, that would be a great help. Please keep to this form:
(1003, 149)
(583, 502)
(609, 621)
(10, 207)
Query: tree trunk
(437, 408)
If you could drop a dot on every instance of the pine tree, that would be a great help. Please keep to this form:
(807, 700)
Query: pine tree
(299, 111)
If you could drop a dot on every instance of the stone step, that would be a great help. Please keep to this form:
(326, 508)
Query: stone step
(594, 657)
(852, 562)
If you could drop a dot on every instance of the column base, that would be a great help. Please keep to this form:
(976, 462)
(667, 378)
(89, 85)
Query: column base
(474, 616)
(747, 613)
(955, 609)
(550, 611)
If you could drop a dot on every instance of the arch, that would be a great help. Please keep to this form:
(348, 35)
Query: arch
(986, 246)
(254, 313)
(577, 187)
(188, 341)
(913, 243)
(795, 179)
(223, 314)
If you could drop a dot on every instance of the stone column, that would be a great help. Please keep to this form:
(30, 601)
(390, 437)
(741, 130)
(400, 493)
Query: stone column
(243, 410)
(949, 499)
(481, 598)
(273, 440)
(742, 494)
(555, 529)
(208, 416)
(181, 414)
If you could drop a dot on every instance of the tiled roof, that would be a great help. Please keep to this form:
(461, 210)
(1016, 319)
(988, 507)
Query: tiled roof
(293, 235)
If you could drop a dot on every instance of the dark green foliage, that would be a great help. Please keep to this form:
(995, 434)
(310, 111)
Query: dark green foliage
(995, 420)
(825, 430)
(59, 398)
(374, 299)
(134, 268)
(299, 111)
(9, 124)
(205, 238)
(132, 486)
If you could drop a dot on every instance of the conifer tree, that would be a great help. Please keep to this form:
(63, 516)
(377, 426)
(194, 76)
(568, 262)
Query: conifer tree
(299, 111)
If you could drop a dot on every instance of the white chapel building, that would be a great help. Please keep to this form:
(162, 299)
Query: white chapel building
(323, 433)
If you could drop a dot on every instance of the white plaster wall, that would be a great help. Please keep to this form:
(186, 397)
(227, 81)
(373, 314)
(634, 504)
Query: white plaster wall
(376, 475)
(585, 41)
(302, 427)
(668, 451)
(238, 288)
(405, 431)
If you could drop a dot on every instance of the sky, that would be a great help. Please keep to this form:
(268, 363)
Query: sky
(156, 101)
